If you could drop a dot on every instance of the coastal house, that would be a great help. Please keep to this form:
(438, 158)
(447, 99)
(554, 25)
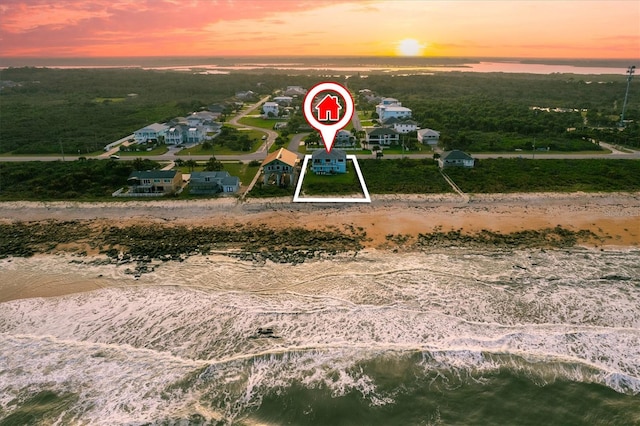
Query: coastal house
(344, 139)
(428, 136)
(246, 95)
(294, 91)
(213, 183)
(280, 168)
(326, 163)
(391, 107)
(270, 109)
(283, 100)
(382, 136)
(155, 131)
(400, 125)
(387, 111)
(455, 158)
(154, 182)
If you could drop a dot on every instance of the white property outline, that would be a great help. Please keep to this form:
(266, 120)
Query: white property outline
(365, 191)
(328, 131)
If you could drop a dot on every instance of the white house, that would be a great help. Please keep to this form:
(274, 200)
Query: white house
(405, 126)
(152, 131)
(382, 136)
(271, 107)
(455, 158)
(428, 136)
(388, 111)
(325, 163)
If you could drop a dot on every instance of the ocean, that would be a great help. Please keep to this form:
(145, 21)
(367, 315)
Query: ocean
(451, 336)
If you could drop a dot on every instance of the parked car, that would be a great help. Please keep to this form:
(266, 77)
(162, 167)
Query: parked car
(114, 157)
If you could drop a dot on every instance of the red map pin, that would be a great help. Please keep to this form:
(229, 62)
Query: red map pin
(328, 110)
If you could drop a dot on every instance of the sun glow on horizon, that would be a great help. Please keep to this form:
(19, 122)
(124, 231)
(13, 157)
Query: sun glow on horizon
(409, 47)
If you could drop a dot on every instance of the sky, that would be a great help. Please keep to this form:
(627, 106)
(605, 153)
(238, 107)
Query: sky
(477, 28)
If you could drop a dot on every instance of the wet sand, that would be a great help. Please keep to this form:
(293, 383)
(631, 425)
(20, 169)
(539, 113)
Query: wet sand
(615, 217)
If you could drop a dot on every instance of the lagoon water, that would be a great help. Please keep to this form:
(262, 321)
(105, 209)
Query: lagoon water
(342, 65)
(449, 337)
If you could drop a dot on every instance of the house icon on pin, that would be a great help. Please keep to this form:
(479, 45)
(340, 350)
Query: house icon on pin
(328, 108)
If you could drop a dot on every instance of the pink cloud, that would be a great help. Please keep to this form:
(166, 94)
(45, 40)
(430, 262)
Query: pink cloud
(126, 27)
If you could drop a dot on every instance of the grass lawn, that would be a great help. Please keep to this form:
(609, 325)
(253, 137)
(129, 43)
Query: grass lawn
(527, 175)
(259, 122)
(162, 149)
(245, 172)
(403, 176)
(341, 183)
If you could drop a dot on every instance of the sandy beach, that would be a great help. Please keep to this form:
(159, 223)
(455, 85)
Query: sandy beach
(615, 217)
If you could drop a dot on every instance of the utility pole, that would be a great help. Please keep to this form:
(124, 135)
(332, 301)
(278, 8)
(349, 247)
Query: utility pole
(630, 71)
(61, 149)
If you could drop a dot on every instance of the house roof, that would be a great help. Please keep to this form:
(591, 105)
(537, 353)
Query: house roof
(456, 155)
(407, 122)
(156, 127)
(214, 174)
(428, 132)
(391, 120)
(286, 156)
(396, 108)
(377, 131)
(271, 104)
(231, 181)
(152, 174)
(322, 154)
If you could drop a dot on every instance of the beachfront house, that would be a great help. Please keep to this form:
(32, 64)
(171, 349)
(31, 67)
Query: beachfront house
(328, 163)
(154, 182)
(280, 168)
(455, 158)
(213, 183)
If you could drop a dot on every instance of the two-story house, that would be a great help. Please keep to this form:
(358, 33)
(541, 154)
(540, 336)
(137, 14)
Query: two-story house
(326, 163)
(154, 181)
(155, 131)
(271, 109)
(280, 168)
(382, 136)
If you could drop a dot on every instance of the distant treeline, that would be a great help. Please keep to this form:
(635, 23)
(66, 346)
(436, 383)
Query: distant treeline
(82, 110)
(493, 111)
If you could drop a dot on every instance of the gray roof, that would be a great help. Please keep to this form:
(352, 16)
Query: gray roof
(231, 181)
(456, 155)
(382, 131)
(152, 174)
(335, 154)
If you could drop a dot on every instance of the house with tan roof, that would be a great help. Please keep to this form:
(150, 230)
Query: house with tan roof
(280, 168)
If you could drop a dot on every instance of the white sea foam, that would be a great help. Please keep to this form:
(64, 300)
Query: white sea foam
(158, 346)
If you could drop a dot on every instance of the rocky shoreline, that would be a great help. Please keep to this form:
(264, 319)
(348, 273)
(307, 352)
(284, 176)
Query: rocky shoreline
(144, 246)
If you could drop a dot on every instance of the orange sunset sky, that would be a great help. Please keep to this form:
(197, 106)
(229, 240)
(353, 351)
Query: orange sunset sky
(543, 29)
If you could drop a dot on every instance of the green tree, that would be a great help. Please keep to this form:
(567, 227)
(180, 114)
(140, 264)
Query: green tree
(191, 164)
(213, 165)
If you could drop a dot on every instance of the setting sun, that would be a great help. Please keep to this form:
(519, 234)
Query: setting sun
(409, 47)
